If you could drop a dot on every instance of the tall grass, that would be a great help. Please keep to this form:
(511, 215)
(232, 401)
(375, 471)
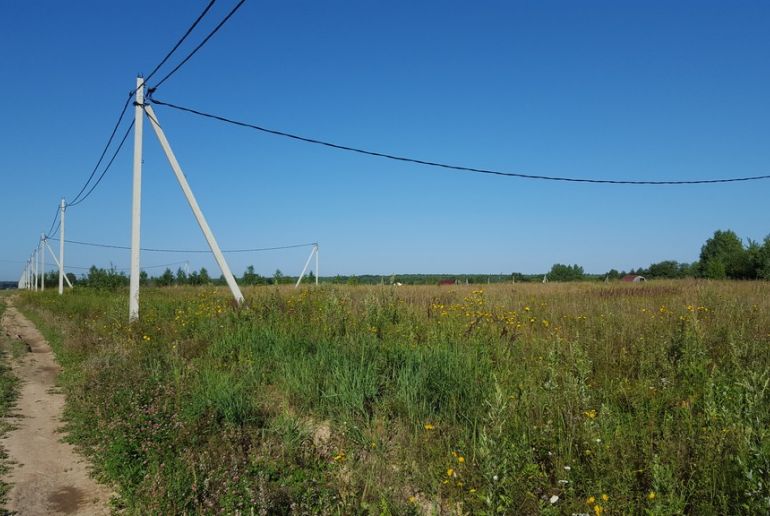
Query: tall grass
(508, 399)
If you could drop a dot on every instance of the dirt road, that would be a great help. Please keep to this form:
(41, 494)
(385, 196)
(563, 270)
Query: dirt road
(47, 475)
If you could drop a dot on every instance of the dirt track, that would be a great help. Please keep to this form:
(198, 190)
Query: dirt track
(47, 475)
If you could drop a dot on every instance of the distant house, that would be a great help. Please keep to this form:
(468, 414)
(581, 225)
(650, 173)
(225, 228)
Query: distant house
(633, 278)
(447, 282)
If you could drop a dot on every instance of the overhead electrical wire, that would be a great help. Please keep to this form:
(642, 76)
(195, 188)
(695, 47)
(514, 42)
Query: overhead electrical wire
(197, 48)
(178, 43)
(107, 168)
(104, 151)
(75, 200)
(51, 231)
(450, 166)
(80, 267)
(156, 250)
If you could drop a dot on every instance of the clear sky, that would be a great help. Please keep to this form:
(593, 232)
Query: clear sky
(615, 90)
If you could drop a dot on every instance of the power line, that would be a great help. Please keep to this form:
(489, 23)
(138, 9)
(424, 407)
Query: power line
(449, 166)
(178, 43)
(124, 268)
(107, 168)
(104, 151)
(195, 50)
(155, 250)
(131, 95)
(51, 231)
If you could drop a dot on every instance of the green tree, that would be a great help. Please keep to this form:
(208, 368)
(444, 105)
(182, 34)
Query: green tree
(665, 269)
(723, 256)
(204, 276)
(561, 272)
(166, 279)
(249, 276)
(181, 277)
(761, 259)
(277, 276)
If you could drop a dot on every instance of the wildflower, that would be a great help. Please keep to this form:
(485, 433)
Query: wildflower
(450, 472)
(472, 490)
(651, 495)
(567, 468)
(461, 459)
(412, 499)
(554, 499)
(340, 457)
(590, 414)
(598, 510)
(590, 500)
(146, 338)
(429, 427)
(605, 497)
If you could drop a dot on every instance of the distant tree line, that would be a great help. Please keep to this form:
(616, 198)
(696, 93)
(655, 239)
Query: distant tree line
(723, 256)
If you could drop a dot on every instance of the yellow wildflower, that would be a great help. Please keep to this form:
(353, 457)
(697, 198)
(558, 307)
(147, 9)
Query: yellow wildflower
(590, 500)
(598, 510)
(590, 414)
(605, 497)
(461, 459)
(429, 427)
(450, 472)
(651, 495)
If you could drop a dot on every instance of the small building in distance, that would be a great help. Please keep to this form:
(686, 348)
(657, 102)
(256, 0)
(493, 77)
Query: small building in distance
(447, 282)
(633, 278)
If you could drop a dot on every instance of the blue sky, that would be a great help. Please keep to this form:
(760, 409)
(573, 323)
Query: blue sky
(615, 90)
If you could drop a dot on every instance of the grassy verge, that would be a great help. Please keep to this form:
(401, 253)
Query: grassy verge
(509, 399)
(8, 393)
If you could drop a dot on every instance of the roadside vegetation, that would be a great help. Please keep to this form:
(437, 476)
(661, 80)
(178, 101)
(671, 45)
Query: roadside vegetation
(8, 393)
(511, 399)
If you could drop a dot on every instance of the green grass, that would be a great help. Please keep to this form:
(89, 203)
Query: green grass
(8, 392)
(385, 400)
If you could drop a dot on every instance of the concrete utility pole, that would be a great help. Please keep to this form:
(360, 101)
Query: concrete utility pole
(42, 261)
(136, 206)
(62, 206)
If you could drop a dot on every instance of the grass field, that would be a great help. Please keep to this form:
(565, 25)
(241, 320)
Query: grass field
(512, 399)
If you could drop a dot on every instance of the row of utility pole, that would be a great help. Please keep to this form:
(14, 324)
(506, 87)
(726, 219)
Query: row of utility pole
(33, 276)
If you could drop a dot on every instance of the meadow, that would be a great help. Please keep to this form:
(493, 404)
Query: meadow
(581, 398)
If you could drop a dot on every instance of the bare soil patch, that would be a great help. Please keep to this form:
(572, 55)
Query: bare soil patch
(47, 475)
